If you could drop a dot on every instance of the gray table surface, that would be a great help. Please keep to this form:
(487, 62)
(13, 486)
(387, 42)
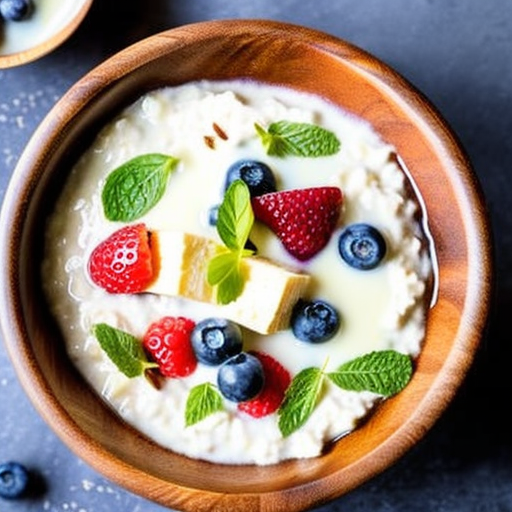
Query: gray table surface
(459, 53)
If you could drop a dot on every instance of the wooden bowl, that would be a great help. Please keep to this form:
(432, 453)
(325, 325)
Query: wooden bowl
(25, 41)
(305, 60)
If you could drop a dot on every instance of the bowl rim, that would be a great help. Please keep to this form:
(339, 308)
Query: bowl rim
(10, 60)
(475, 311)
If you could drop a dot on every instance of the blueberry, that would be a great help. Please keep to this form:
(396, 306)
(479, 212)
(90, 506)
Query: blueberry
(314, 322)
(16, 10)
(362, 246)
(257, 175)
(213, 215)
(13, 480)
(215, 340)
(241, 377)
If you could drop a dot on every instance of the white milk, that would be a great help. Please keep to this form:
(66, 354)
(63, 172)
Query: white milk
(49, 17)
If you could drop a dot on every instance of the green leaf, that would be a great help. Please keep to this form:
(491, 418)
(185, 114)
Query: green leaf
(234, 224)
(384, 372)
(203, 400)
(300, 400)
(221, 266)
(123, 349)
(224, 271)
(231, 287)
(286, 138)
(132, 189)
(235, 218)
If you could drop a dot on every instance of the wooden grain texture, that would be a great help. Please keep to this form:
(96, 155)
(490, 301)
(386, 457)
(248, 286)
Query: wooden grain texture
(10, 60)
(305, 60)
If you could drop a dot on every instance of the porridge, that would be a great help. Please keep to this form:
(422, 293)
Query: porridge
(239, 270)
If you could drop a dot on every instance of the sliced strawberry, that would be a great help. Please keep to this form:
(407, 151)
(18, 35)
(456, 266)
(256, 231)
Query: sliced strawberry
(277, 380)
(168, 342)
(122, 263)
(303, 219)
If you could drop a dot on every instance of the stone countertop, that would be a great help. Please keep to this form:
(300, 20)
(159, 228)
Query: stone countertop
(459, 54)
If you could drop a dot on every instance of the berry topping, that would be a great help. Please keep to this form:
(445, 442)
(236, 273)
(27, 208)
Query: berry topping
(123, 262)
(314, 322)
(362, 246)
(14, 479)
(277, 380)
(241, 377)
(213, 215)
(258, 176)
(215, 340)
(303, 219)
(168, 342)
(16, 10)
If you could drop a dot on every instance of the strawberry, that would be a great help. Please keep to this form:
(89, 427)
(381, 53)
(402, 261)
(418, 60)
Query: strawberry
(122, 263)
(168, 343)
(277, 380)
(303, 219)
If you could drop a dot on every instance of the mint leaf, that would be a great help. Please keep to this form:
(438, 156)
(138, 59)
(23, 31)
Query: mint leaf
(286, 138)
(123, 349)
(203, 400)
(235, 217)
(224, 271)
(300, 400)
(384, 372)
(221, 266)
(234, 223)
(132, 189)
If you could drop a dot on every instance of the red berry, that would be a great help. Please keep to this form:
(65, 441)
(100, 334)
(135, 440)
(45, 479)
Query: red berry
(303, 219)
(168, 342)
(277, 380)
(122, 263)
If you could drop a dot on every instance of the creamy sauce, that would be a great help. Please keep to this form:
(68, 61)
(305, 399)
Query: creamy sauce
(48, 18)
(380, 309)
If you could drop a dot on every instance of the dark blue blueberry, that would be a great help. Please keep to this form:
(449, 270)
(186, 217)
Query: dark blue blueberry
(215, 340)
(213, 215)
(257, 175)
(13, 480)
(362, 246)
(314, 322)
(16, 10)
(241, 378)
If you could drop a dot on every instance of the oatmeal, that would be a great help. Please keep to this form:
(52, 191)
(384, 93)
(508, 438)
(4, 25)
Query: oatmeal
(204, 128)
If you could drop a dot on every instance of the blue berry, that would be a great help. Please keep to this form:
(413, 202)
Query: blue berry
(16, 10)
(13, 480)
(215, 340)
(314, 322)
(258, 176)
(241, 377)
(213, 215)
(362, 246)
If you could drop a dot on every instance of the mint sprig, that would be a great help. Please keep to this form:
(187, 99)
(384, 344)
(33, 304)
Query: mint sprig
(133, 188)
(300, 400)
(203, 400)
(287, 138)
(234, 223)
(384, 372)
(124, 350)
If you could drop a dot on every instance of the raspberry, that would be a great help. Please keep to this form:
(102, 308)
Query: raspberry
(277, 380)
(303, 219)
(168, 342)
(122, 263)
